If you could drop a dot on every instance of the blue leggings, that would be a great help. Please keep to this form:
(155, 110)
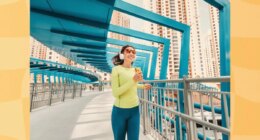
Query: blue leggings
(125, 120)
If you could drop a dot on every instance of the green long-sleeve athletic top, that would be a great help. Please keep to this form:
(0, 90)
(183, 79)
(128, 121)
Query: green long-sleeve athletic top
(124, 88)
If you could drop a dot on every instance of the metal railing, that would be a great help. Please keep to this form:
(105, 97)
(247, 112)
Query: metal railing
(107, 85)
(49, 93)
(184, 109)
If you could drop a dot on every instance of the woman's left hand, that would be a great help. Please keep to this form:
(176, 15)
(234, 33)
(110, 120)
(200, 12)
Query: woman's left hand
(147, 86)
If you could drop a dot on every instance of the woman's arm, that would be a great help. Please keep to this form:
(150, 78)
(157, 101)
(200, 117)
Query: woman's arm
(140, 86)
(144, 86)
(119, 90)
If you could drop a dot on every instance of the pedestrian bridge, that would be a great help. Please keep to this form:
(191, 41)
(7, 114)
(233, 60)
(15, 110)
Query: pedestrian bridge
(73, 111)
(66, 108)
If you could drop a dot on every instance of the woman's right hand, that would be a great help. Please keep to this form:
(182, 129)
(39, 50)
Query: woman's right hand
(138, 77)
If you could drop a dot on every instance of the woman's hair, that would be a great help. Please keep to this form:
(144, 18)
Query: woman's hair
(116, 59)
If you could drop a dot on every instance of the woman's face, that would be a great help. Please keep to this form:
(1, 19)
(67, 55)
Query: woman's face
(129, 54)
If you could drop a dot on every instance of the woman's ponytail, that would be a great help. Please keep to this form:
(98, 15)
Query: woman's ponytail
(117, 61)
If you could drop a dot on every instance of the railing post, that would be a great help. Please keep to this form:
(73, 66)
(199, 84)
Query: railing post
(191, 133)
(81, 90)
(51, 94)
(60, 91)
(64, 92)
(31, 105)
(145, 96)
(73, 91)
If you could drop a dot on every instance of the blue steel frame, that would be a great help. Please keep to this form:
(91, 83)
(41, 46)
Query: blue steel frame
(119, 29)
(55, 69)
(224, 36)
(132, 33)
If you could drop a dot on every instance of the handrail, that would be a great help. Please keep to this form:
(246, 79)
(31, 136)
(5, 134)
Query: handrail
(48, 93)
(160, 108)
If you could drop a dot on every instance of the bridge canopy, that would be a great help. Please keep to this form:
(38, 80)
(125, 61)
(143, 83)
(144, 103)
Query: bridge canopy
(73, 28)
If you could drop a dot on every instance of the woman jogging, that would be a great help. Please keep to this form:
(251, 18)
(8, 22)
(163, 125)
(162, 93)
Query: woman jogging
(125, 113)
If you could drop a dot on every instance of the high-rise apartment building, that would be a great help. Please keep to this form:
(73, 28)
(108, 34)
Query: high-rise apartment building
(214, 24)
(208, 58)
(121, 20)
(168, 9)
(186, 12)
(37, 49)
(197, 63)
